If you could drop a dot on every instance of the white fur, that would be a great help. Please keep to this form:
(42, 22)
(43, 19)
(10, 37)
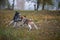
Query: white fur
(30, 25)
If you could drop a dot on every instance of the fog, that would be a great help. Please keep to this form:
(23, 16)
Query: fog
(30, 5)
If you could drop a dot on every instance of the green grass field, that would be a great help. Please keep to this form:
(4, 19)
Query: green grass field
(48, 23)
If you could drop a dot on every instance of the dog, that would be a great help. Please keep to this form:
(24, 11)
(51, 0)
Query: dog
(29, 23)
(24, 21)
(16, 19)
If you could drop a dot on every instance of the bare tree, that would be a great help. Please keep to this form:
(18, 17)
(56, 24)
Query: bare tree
(13, 4)
(59, 5)
(43, 2)
(2, 4)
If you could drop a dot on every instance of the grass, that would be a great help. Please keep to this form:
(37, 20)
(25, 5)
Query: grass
(48, 23)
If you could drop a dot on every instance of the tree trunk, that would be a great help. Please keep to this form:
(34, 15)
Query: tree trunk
(37, 7)
(43, 5)
(38, 3)
(58, 5)
(13, 4)
(8, 5)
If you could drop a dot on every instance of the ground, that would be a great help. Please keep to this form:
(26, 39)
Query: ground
(48, 23)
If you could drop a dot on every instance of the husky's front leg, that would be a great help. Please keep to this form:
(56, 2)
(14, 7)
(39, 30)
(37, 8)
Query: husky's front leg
(29, 27)
(15, 24)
